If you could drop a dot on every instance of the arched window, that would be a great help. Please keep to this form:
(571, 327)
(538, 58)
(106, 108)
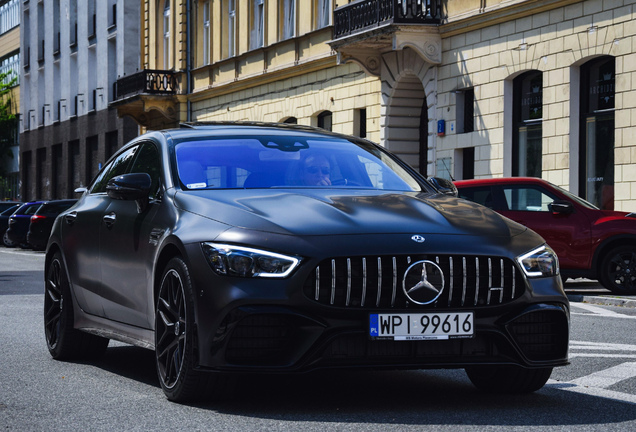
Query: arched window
(291, 120)
(527, 146)
(325, 119)
(596, 146)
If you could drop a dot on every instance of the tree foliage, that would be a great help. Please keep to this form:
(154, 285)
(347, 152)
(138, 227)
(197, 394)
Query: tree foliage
(7, 116)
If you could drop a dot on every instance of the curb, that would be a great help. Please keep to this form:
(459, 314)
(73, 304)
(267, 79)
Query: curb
(603, 300)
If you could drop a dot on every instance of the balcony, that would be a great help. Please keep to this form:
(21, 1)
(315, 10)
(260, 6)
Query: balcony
(364, 15)
(366, 28)
(147, 81)
(151, 97)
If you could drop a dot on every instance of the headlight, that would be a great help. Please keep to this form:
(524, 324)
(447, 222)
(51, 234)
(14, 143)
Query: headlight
(539, 262)
(232, 260)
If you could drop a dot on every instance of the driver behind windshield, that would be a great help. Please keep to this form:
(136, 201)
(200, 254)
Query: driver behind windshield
(316, 170)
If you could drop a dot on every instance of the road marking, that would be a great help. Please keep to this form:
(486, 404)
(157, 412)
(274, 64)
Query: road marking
(602, 350)
(601, 346)
(599, 311)
(607, 377)
(25, 253)
(593, 391)
(597, 383)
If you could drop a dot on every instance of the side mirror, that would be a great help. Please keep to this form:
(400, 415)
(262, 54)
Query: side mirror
(130, 187)
(444, 186)
(561, 207)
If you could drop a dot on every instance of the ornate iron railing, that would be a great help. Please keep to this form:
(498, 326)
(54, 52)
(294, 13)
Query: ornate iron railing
(147, 81)
(367, 14)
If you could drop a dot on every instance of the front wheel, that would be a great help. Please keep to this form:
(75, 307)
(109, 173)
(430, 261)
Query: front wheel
(508, 379)
(174, 335)
(618, 270)
(7, 241)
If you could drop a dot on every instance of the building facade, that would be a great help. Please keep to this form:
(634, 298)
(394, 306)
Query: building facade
(459, 89)
(10, 68)
(74, 52)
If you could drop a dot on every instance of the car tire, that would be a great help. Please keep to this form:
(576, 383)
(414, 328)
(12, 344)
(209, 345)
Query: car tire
(63, 341)
(6, 241)
(618, 270)
(175, 341)
(508, 379)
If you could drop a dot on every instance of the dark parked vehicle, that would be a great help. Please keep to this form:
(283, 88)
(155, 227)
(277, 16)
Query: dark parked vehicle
(237, 248)
(19, 224)
(591, 243)
(42, 222)
(5, 205)
(4, 221)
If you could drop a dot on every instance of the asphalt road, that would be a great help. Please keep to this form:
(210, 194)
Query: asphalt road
(121, 392)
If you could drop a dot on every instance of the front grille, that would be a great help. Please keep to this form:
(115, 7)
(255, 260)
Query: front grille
(377, 281)
(542, 334)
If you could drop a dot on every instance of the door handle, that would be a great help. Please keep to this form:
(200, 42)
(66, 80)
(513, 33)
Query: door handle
(110, 219)
(70, 217)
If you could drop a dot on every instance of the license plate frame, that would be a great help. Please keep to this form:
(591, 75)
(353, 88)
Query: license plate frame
(422, 326)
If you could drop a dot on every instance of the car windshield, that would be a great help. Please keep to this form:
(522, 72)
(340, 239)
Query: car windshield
(573, 197)
(288, 161)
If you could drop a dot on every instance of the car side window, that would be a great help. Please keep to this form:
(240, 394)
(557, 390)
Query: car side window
(117, 167)
(481, 195)
(527, 198)
(147, 161)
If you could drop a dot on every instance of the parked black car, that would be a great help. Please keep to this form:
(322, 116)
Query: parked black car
(5, 205)
(42, 222)
(19, 224)
(4, 221)
(238, 248)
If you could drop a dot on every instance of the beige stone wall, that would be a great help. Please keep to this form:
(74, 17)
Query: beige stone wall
(557, 42)
(339, 89)
(10, 41)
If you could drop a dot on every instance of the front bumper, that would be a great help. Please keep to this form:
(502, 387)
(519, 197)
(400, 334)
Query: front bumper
(263, 325)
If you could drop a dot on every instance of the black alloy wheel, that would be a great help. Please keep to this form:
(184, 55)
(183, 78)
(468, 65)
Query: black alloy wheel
(174, 336)
(618, 270)
(63, 341)
(7, 241)
(53, 304)
(508, 379)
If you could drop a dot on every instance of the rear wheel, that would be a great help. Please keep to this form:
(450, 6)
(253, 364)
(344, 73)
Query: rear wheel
(174, 336)
(618, 270)
(508, 379)
(63, 341)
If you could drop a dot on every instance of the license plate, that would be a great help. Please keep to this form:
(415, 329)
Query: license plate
(423, 326)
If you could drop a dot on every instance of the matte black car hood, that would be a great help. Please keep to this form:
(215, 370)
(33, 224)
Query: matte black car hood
(332, 212)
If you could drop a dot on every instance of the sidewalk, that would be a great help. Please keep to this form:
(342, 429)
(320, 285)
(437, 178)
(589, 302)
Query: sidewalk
(590, 291)
(605, 300)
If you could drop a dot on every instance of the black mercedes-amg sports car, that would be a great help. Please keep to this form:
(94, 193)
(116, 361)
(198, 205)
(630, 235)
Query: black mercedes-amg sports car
(233, 248)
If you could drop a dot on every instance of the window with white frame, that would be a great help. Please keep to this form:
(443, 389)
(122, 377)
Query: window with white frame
(9, 15)
(9, 69)
(166, 35)
(206, 32)
(288, 17)
(231, 30)
(257, 24)
(323, 13)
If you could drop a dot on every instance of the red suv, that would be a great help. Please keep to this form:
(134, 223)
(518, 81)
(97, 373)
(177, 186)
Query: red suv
(591, 243)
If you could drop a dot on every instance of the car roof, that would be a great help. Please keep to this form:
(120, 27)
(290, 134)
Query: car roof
(499, 180)
(196, 129)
